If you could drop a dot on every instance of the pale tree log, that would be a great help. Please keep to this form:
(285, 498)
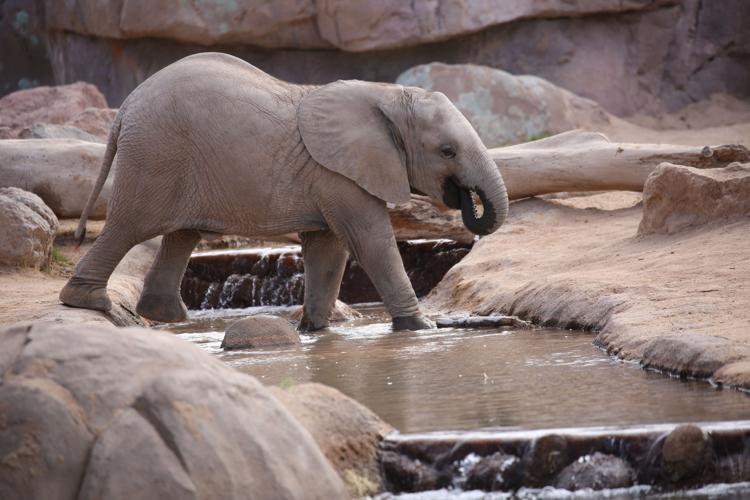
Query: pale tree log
(588, 161)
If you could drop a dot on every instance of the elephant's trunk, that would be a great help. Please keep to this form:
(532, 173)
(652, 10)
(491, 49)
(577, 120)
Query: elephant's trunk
(484, 182)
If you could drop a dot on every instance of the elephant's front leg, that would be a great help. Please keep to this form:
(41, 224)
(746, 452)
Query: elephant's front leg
(160, 299)
(366, 227)
(325, 258)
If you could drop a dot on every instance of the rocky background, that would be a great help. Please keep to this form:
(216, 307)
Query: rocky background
(630, 56)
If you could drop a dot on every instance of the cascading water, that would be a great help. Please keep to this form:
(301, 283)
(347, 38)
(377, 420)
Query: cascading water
(275, 277)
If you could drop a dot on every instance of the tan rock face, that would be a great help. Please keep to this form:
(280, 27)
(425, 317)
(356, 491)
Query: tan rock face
(27, 229)
(677, 197)
(347, 432)
(60, 171)
(77, 105)
(79, 404)
(503, 108)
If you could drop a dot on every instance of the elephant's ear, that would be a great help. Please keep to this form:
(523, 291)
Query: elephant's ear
(348, 127)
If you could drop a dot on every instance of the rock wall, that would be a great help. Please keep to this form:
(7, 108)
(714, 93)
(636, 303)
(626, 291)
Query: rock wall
(632, 57)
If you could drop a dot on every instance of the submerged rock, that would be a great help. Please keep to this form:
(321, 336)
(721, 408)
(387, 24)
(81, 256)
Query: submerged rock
(85, 409)
(597, 472)
(406, 475)
(687, 455)
(496, 472)
(261, 330)
(545, 457)
(27, 229)
(676, 197)
(347, 432)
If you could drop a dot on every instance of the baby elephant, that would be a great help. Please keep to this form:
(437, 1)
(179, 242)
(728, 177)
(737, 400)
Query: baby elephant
(212, 145)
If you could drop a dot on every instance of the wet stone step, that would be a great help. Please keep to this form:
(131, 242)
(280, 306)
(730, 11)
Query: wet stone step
(275, 276)
(661, 458)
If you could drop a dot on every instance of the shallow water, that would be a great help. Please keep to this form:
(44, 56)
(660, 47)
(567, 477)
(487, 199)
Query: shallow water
(461, 379)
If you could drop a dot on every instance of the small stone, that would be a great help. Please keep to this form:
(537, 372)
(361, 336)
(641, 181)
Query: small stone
(686, 454)
(403, 474)
(497, 472)
(259, 331)
(597, 472)
(544, 459)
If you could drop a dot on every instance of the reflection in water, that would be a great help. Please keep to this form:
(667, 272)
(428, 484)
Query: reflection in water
(460, 379)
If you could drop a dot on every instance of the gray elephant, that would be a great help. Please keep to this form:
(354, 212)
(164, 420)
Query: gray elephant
(212, 145)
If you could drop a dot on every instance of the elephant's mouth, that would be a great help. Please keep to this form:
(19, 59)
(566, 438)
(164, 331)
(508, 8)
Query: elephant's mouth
(477, 211)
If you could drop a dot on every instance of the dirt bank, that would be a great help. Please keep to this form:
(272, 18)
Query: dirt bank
(679, 303)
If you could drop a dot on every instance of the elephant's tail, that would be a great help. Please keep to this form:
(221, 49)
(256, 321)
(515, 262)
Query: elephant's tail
(109, 156)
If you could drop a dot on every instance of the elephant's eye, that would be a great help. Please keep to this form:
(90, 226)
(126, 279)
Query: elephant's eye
(448, 151)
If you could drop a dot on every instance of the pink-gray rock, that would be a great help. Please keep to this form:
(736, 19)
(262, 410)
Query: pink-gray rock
(266, 23)
(28, 228)
(54, 105)
(503, 108)
(387, 24)
(261, 330)
(676, 197)
(496, 472)
(597, 472)
(85, 409)
(60, 171)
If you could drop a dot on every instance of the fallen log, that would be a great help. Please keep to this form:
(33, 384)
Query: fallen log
(588, 161)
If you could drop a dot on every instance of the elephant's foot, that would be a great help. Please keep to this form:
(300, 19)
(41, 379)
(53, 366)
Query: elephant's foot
(412, 323)
(308, 325)
(162, 308)
(78, 293)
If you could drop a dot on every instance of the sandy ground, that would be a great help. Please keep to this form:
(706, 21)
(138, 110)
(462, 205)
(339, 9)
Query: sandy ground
(679, 303)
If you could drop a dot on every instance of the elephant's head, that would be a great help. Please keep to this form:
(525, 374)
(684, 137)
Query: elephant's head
(393, 140)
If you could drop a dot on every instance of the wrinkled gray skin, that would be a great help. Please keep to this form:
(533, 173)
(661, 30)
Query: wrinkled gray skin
(213, 145)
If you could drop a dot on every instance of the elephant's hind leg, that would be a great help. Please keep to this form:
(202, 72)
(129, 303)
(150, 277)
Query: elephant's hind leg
(88, 286)
(160, 299)
(325, 258)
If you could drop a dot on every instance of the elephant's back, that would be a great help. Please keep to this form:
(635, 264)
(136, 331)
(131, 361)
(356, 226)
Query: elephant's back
(210, 87)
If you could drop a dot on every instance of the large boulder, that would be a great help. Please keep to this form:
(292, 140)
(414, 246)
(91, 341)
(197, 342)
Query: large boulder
(60, 171)
(80, 105)
(347, 432)
(676, 197)
(504, 108)
(28, 229)
(85, 409)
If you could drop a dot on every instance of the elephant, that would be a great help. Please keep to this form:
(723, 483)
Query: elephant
(212, 145)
